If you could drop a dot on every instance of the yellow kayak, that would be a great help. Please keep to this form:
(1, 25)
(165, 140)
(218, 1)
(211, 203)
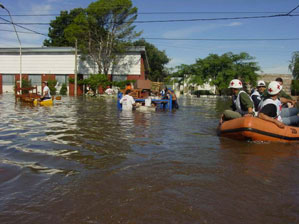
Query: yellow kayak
(43, 103)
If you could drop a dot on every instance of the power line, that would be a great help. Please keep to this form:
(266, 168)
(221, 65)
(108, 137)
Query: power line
(292, 10)
(27, 23)
(12, 31)
(25, 28)
(222, 39)
(191, 20)
(159, 13)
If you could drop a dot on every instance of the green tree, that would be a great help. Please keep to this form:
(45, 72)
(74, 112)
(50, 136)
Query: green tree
(294, 65)
(96, 80)
(220, 70)
(103, 31)
(57, 27)
(157, 60)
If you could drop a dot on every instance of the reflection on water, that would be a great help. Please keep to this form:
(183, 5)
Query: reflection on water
(82, 161)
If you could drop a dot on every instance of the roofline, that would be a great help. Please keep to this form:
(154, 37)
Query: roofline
(56, 49)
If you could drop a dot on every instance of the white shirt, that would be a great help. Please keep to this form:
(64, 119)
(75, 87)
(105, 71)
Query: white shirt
(109, 91)
(127, 102)
(46, 88)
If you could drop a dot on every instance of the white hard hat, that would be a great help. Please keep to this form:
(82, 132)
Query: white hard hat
(261, 83)
(235, 84)
(274, 88)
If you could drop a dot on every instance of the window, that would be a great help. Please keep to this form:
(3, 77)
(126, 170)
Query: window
(36, 80)
(61, 79)
(119, 78)
(8, 79)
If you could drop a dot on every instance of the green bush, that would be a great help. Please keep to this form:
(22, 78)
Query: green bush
(202, 92)
(94, 81)
(25, 84)
(63, 89)
(51, 85)
(295, 87)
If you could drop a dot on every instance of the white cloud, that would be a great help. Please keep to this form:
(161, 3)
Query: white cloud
(187, 32)
(234, 24)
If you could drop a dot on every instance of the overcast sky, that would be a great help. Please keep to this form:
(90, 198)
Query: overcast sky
(272, 56)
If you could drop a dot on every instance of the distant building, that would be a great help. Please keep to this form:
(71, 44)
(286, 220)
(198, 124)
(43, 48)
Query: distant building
(187, 87)
(49, 63)
(287, 80)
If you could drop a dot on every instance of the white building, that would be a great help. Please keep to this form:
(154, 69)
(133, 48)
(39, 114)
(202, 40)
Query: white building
(186, 86)
(46, 63)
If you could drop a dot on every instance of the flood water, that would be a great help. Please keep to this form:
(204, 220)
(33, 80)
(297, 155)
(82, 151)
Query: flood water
(82, 161)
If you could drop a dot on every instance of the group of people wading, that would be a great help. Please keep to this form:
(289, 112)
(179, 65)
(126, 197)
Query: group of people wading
(270, 105)
(128, 102)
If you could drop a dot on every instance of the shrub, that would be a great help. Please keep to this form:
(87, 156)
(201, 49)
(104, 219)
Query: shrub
(63, 89)
(51, 85)
(202, 92)
(295, 87)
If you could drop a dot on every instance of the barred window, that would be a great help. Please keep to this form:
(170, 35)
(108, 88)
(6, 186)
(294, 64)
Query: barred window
(8, 79)
(61, 79)
(36, 80)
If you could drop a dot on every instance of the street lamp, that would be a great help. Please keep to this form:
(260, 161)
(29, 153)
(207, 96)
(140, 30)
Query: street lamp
(2, 6)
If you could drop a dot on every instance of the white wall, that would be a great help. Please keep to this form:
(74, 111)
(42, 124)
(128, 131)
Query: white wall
(65, 64)
(128, 64)
(38, 64)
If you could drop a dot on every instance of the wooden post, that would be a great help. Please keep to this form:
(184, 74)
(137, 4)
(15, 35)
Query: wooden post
(76, 65)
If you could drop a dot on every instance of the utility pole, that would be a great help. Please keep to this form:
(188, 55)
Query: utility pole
(76, 66)
(2, 6)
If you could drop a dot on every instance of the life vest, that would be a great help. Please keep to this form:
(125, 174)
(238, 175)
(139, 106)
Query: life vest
(237, 102)
(278, 105)
(256, 93)
(259, 97)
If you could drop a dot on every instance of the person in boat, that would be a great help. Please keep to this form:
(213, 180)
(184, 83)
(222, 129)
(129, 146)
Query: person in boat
(46, 91)
(288, 114)
(283, 96)
(127, 101)
(271, 108)
(258, 93)
(242, 104)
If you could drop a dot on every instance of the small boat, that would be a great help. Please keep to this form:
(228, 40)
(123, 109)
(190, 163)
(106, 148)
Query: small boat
(48, 102)
(256, 129)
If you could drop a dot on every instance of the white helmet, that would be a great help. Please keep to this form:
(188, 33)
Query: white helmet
(261, 83)
(274, 88)
(235, 84)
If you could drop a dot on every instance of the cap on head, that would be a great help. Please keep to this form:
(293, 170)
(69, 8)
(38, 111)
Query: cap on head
(274, 88)
(235, 84)
(279, 80)
(261, 83)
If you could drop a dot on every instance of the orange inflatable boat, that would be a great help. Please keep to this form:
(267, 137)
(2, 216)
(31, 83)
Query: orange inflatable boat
(256, 129)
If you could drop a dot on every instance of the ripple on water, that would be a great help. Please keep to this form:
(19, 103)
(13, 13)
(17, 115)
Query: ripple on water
(83, 161)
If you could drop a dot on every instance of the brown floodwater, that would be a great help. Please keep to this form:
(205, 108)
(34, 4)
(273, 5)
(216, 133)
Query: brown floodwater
(83, 161)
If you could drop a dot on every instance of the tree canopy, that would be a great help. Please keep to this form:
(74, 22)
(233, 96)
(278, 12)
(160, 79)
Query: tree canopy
(104, 30)
(56, 31)
(294, 65)
(157, 60)
(220, 70)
